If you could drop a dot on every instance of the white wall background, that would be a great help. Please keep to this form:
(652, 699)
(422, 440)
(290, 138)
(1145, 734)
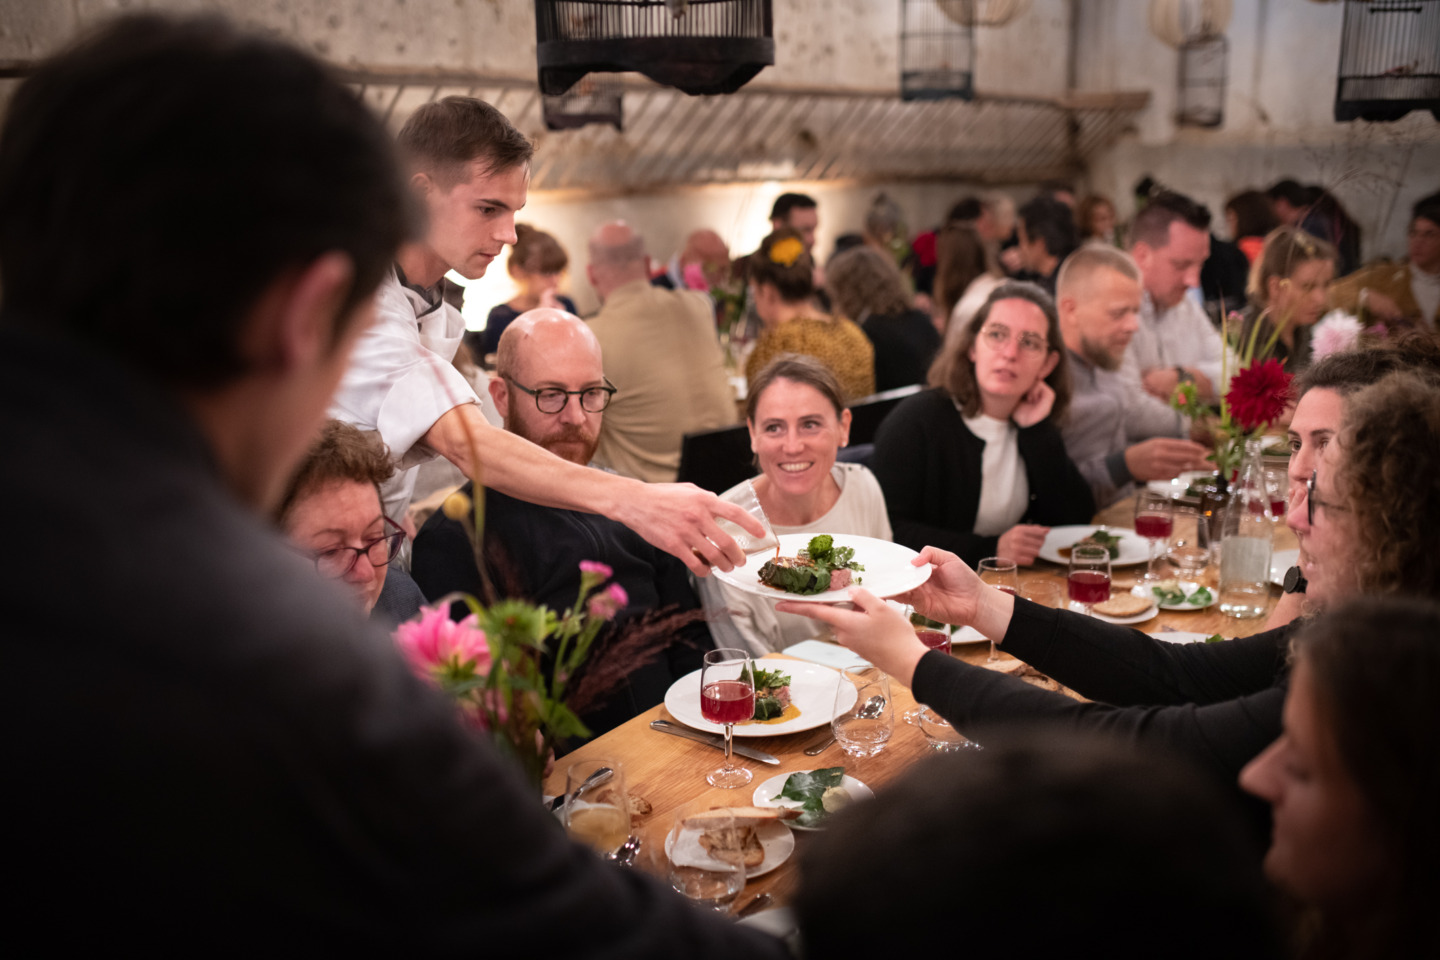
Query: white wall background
(1283, 58)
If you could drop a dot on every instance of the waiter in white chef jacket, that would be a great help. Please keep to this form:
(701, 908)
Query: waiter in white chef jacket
(470, 168)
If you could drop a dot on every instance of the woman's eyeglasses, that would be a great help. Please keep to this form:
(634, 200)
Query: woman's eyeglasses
(336, 563)
(997, 335)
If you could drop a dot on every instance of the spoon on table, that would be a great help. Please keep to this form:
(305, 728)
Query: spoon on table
(872, 709)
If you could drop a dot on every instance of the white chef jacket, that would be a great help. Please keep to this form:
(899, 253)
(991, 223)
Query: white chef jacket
(400, 381)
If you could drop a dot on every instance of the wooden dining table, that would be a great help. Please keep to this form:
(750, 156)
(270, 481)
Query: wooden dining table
(668, 772)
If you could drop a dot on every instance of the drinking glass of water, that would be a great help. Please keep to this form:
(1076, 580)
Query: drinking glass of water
(1003, 575)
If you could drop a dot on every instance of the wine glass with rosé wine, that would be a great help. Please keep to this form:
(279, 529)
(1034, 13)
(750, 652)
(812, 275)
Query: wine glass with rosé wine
(1089, 579)
(1003, 575)
(727, 696)
(1155, 521)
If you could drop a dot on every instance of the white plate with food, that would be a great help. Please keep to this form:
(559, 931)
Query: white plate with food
(1177, 594)
(775, 840)
(768, 795)
(1179, 487)
(1280, 562)
(1128, 546)
(811, 700)
(1125, 608)
(888, 571)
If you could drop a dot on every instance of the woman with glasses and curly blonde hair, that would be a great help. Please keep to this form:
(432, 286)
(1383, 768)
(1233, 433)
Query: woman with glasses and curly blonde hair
(975, 465)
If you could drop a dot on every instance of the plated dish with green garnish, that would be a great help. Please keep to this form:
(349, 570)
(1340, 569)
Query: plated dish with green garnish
(879, 566)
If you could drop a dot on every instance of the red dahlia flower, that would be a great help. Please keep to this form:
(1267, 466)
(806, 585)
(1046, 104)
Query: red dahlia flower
(1258, 394)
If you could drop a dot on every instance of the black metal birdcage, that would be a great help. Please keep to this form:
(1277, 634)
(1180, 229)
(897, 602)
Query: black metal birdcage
(696, 46)
(1389, 59)
(937, 52)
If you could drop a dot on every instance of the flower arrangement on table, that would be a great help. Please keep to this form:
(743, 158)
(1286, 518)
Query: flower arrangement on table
(493, 662)
(514, 668)
(1255, 397)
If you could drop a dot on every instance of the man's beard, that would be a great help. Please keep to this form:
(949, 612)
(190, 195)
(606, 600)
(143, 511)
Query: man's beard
(1098, 356)
(572, 438)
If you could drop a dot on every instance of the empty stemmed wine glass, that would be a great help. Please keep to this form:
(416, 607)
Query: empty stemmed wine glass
(1089, 579)
(1155, 521)
(727, 695)
(1002, 575)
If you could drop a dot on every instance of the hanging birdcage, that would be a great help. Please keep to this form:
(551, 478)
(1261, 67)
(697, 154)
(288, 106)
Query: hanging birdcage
(592, 100)
(937, 53)
(1389, 60)
(1196, 29)
(1203, 69)
(696, 46)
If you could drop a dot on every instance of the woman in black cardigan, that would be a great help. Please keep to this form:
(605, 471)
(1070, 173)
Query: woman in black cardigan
(975, 465)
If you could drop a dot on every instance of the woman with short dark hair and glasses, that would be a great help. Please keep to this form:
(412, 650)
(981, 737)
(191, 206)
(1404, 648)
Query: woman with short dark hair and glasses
(1376, 483)
(975, 465)
(331, 510)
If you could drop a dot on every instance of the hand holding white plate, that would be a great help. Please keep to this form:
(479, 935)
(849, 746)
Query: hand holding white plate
(888, 571)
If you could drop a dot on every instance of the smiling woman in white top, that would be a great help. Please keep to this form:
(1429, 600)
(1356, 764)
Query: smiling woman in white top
(798, 423)
(975, 465)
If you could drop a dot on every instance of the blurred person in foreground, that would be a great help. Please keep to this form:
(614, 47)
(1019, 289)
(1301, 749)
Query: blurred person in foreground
(1354, 782)
(1362, 521)
(798, 423)
(331, 509)
(976, 464)
(781, 283)
(866, 286)
(469, 168)
(235, 756)
(1116, 433)
(1040, 845)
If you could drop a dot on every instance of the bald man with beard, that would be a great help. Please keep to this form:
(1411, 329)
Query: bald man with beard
(551, 386)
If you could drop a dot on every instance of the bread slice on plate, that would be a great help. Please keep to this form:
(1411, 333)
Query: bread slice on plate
(1124, 605)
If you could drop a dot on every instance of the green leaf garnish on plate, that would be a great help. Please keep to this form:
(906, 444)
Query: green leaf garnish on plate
(809, 788)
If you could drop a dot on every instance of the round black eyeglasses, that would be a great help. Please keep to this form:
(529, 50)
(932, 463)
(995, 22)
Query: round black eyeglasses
(552, 399)
(334, 564)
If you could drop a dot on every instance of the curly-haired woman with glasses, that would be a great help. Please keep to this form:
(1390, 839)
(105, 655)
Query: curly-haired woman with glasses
(975, 465)
(331, 510)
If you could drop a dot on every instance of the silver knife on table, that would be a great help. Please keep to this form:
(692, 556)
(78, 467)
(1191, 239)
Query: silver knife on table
(714, 740)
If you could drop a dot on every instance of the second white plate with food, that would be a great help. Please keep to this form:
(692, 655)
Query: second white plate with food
(888, 571)
(768, 794)
(777, 842)
(812, 690)
(1192, 595)
(1141, 617)
(1132, 547)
